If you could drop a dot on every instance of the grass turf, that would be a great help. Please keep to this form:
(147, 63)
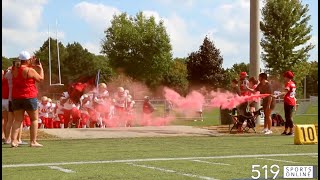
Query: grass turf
(139, 148)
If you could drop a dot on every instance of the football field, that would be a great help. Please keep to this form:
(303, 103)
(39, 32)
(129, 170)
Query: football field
(222, 157)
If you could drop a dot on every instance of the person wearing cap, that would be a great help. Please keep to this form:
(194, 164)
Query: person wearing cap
(289, 101)
(24, 97)
(243, 84)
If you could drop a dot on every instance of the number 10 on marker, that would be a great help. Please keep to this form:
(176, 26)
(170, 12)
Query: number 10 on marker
(274, 169)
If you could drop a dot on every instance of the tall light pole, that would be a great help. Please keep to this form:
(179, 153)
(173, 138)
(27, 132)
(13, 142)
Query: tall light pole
(254, 68)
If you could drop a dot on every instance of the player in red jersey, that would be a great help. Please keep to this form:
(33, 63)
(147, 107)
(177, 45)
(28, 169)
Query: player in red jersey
(289, 101)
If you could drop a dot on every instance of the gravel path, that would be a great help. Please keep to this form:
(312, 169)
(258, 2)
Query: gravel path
(125, 132)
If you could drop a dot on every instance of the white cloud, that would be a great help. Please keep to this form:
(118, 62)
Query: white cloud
(22, 13)
(20, 26)
(96, 15)
(99, 17)
(182, 41)
(185, 3)
(92, 47)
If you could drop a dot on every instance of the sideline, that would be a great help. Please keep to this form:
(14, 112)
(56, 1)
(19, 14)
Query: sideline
(155, 159)
(172, 171)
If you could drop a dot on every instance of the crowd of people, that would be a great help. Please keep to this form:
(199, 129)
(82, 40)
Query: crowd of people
(245, 87)
(96, 109)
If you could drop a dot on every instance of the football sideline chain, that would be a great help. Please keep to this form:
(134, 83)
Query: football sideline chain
(155, 159)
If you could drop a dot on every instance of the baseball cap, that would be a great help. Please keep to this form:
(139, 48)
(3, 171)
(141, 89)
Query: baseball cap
(289, 74)
(243, 74)
(24, 55)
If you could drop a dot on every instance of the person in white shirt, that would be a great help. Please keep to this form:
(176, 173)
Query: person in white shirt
(59, 119)
(43, 112)
(130, 111)
(51, 114)
(120, 105)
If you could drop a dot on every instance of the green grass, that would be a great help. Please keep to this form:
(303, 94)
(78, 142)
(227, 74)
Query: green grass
(140, 148)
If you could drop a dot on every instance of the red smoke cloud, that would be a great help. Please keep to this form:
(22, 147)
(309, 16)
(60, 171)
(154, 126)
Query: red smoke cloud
(227, 100)
(194, 101)
(188, 105)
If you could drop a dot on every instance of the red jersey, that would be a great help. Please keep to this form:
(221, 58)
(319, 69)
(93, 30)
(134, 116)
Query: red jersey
(23, 88)
(5, 88)
(289, 98)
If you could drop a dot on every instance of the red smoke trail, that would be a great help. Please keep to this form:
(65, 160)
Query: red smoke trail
(228, 100)
(194, 101)
(188, 105)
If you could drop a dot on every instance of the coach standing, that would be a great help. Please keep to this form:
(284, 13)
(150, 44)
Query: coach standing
(24, 97)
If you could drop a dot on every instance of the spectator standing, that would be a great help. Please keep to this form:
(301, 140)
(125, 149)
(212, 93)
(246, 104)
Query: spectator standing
(289, 101)
(8, 76)
(268, 103)
(24, 96)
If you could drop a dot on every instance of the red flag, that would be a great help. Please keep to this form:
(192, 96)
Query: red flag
(77, 89)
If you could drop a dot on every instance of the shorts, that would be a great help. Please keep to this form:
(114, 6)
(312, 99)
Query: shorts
(5, 104)
(10, 106)
(25, 104)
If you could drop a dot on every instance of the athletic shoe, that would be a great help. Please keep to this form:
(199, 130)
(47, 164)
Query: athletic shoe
(22, 143)
(264, 130)
(290, 134)
(268, 132)
(284, 133)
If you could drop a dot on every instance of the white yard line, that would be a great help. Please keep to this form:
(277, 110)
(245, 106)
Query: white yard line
(155, 159)
(207, 162)
(277, 160)
(61, 169)
(172, 171)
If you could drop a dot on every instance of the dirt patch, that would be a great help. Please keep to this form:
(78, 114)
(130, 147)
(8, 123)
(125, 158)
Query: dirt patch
(41, 135)
(128, 132)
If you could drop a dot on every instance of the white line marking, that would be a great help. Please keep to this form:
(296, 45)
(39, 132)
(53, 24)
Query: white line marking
(61, 169)
(155, 159)
(207, 162)
(277, 160)
(172, 171)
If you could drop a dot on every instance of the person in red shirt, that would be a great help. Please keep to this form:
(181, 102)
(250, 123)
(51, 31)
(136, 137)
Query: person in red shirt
(5, 103)
(24, 96)
(289, 101)
(243, 84)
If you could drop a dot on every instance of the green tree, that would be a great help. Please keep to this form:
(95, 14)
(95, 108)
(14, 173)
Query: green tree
(205, 66)
(43, 55)
(75, 62)
(139, 46)
(312, 79)
(299, 75)
(285, 35)
(176, 77)
(234, 71)
(6, 63)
